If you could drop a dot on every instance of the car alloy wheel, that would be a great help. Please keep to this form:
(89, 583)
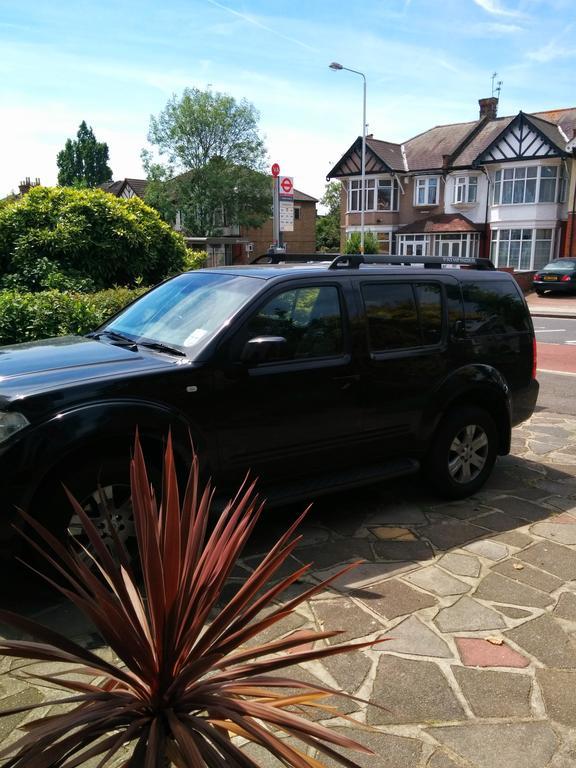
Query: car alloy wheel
(468, 454)
(106, 506)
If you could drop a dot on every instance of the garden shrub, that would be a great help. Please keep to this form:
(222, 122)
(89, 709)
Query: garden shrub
(59, 237)
(31, 316)
(353, 243)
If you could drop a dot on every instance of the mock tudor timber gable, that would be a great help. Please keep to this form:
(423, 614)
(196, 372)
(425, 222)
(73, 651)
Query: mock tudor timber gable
(522, 139)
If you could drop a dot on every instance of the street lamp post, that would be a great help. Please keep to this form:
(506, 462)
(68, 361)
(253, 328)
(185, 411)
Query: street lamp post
(337, 66)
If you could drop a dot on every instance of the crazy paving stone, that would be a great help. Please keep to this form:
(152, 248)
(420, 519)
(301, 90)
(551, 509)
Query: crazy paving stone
(467, 615)
(435, 580)
(415, 638)
(386, 533)
(345, 615)
(557, 687)
(285, 626)
(453, 533)
(502, 590)
(513, 745)
(513, 612)
(389, 751)
(461, 510)
(560, 532)
(533, 577)
(552, 558)
(495, 694)
(566, 606)
(521, 508)
(497, 521)
(477, 652)
(366, 573)
(393, 598)
(336, 553)
(492, 550)
(441, 760)
(349, 670)
(514, 539)
(545, 639)
(401, 550)
(463, 565)
(411, 692)
(25, 698)
(396, 514)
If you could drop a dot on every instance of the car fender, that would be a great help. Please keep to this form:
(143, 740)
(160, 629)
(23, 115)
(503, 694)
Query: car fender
(101, 427)
(475, 384)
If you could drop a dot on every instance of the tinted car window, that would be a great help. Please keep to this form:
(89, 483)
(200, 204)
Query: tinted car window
(560, 265)
(403, 316)
(494, 308)
(392, 316)
(310, 319)
(429, 297)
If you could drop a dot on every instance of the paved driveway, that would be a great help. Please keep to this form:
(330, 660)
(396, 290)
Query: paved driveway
(477, 598)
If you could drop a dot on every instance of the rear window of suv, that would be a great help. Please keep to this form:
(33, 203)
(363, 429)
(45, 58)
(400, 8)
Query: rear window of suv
(403, 315)
(494, 307)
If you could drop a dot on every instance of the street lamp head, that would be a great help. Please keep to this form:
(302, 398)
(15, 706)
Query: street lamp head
(335, 65)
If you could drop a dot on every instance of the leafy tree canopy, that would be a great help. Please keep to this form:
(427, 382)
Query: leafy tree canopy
(209, 163)
(84, 239)
(328, 225)
(84, 161)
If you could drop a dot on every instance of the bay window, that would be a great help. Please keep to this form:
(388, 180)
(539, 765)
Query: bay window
(380, 195)
(521, 249)
(535, 184)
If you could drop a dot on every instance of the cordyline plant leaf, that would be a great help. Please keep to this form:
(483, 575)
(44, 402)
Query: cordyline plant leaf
(186, 685)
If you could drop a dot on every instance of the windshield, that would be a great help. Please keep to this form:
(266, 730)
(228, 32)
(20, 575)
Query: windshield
(186, 311)
(555, 266)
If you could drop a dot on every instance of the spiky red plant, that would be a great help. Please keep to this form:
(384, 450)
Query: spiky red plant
(186, 684)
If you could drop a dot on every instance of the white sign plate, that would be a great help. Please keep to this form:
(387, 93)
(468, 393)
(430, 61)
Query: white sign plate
(286, 216)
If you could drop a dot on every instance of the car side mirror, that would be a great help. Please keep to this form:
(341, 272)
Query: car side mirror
(264, 349)
(458, 330)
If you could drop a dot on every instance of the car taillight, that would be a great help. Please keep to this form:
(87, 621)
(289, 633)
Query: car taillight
(534, 357)
(566, 278)
(537, 276)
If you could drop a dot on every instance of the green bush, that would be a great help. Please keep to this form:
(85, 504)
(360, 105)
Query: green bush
(84, 239)
(31, 316)
(353, 243)
(194, 259)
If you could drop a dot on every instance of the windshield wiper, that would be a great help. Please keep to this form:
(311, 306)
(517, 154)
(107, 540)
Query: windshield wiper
(115, 337)
(160, 347)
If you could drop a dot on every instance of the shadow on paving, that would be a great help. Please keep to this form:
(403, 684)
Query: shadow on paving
(393, 528)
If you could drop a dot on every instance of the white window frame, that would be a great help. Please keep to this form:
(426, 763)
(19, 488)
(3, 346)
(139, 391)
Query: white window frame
(371, 189)
(497, 239)
(463, 186)
(518, 180)
(427, 184)
(469, 243)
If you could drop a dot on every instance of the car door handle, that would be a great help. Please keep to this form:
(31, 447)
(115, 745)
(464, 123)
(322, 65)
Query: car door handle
(346, 381)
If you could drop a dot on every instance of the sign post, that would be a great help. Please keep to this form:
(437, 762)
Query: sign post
(286, 195)
(276, 206)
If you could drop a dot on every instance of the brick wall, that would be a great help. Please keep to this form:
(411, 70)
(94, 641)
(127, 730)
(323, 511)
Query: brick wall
(301, 240)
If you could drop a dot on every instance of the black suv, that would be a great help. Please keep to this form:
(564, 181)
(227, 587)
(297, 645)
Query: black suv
(315, 377)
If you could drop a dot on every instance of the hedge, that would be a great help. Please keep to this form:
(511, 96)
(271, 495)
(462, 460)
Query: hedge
(84, 240)
(30, 316)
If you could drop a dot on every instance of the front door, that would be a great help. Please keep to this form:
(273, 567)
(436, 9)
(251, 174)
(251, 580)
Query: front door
(299, 413)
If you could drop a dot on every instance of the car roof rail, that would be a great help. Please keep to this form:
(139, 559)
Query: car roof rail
(293, 258)
(354, 260)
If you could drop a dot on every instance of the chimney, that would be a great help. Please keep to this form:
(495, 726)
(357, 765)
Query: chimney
(26, 185)
(488, 108)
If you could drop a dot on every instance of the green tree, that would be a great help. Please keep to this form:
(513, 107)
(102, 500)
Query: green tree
(84, 161)
(84, 239)
(209, 163)
(328, 225)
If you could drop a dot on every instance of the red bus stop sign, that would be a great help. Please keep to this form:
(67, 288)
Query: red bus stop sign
(275, 170)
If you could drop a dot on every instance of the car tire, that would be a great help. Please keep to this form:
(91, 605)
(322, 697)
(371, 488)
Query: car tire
(462, 453)
(96, 485)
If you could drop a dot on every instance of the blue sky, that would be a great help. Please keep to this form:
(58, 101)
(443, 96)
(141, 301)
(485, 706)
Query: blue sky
(114, 63)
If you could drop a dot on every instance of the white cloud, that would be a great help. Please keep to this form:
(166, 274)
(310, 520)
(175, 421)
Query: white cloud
(494, 28)
(551, 52)
(494, 7)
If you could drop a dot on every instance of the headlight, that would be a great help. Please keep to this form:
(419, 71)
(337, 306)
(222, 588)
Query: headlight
(11, 422)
